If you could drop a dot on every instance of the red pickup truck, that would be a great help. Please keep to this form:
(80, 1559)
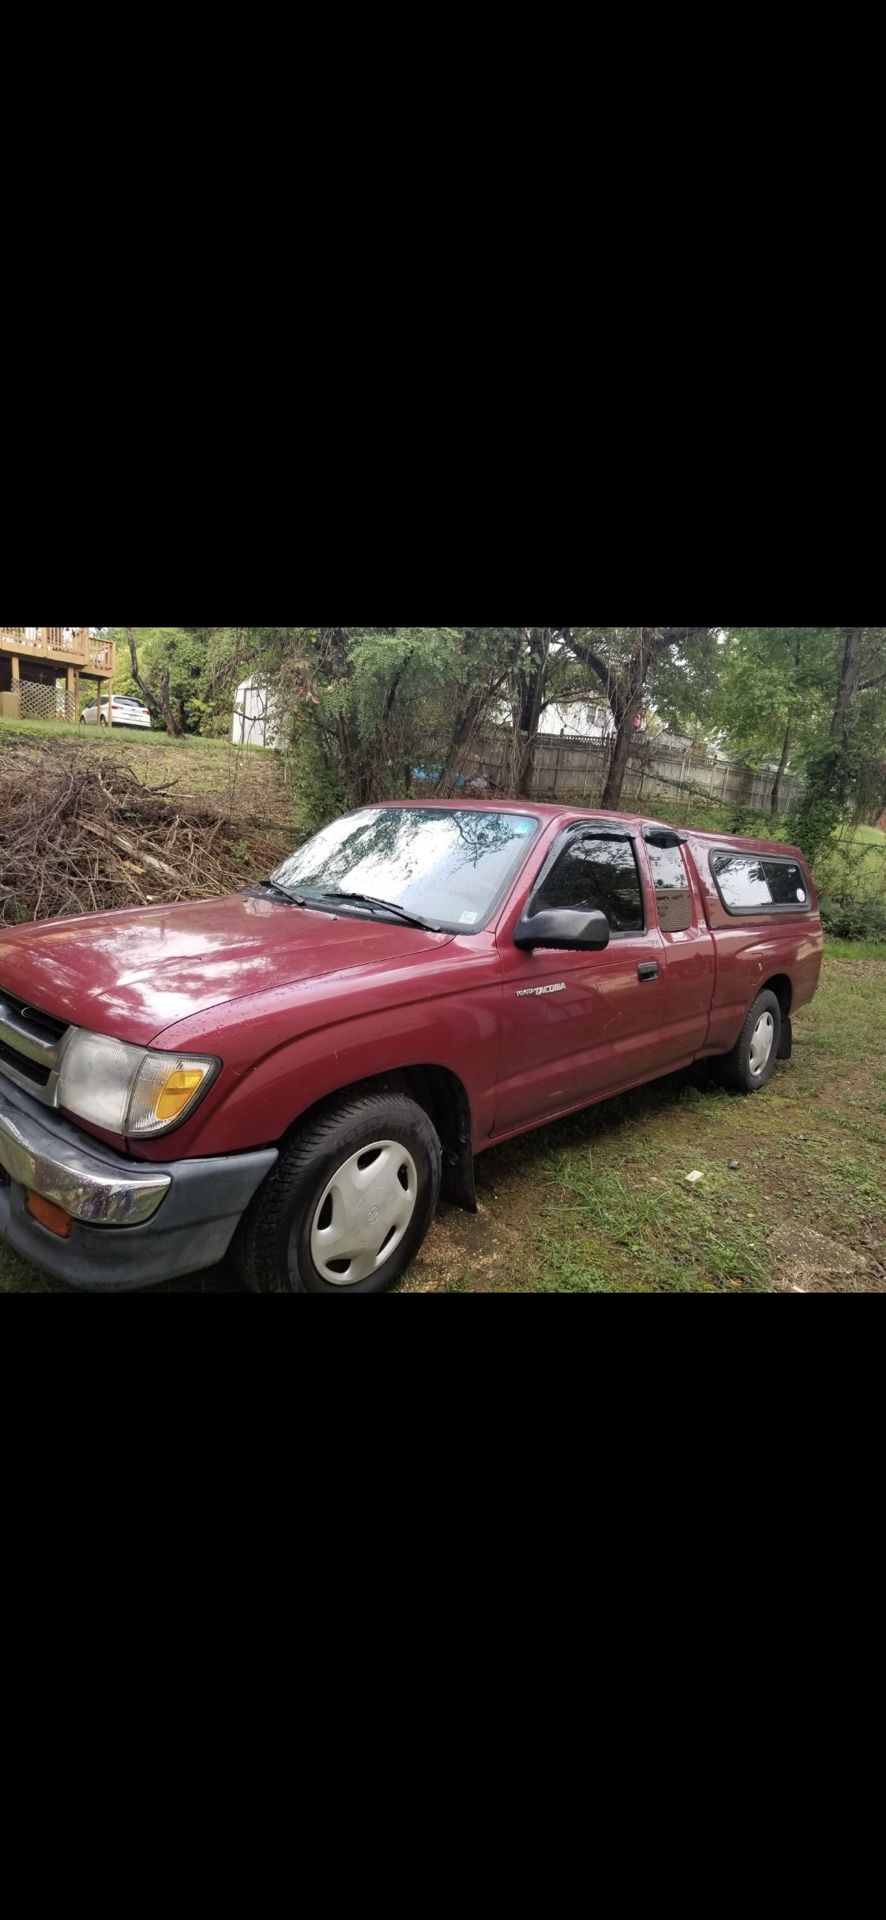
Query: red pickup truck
(295, 1071)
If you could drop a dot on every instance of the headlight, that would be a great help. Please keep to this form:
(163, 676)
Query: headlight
(128, 1090)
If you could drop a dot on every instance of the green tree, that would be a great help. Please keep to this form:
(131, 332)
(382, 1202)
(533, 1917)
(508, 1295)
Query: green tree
(624, 664)
(488, 677)
(186, 675)
(547, 665)
(845, 764)
(775, 694)
(365, 702)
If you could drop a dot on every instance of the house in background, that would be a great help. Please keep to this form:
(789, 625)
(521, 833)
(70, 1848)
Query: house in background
(41, 669)
(579, 720)
(576, 719)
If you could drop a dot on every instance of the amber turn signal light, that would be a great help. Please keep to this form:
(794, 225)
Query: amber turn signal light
(53, 1218)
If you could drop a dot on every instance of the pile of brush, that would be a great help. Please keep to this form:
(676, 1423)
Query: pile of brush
(79, 833)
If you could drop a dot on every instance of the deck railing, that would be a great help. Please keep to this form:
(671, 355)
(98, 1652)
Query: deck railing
(44, 639)
(74, 649)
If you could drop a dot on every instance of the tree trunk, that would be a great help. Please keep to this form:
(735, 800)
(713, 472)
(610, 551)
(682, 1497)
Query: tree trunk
(775, 805)
(625, 717)
(159, 703)
(625, 691)
(532, 707)
(466, 722)
(847, 684)
(626, 701)
(529, 725)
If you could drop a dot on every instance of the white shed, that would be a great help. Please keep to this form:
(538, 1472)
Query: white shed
(256, 717)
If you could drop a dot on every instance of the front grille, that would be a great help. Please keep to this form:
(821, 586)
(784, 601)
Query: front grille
(30, 1048)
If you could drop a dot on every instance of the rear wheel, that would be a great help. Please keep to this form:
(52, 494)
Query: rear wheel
(752, 1063)
(349, 1202)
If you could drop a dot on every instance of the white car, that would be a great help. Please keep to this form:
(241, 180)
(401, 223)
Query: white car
(120, 712)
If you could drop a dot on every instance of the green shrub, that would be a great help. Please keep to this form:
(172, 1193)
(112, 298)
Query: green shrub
(831, 773)
(705, 816)
(753, 825)
(854, 919)
(316, 788)
(850, 874)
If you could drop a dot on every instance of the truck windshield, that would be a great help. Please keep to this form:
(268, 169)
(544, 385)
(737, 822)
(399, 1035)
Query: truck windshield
(446, 865)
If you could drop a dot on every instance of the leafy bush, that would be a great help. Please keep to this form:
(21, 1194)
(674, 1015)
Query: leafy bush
(753, 825)
(851, 876)
(854, 919)
(702, 814)
(317, 790)
(830, 785)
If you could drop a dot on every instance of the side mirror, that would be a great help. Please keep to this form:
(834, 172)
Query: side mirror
(564, 931)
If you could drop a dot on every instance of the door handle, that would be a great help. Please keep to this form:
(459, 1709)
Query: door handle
(649, 972)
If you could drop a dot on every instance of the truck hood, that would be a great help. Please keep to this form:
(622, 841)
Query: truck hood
(133, 974)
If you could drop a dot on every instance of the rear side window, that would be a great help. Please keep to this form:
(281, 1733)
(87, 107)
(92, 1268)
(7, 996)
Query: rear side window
(788, 884)
(672, 890)
(748, 883)
(597, 876)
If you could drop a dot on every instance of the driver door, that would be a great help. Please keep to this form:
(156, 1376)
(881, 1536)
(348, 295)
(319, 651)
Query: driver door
(577, 1026)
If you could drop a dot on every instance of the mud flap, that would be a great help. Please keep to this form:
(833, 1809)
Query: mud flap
(460, 1177)
(786, 1049)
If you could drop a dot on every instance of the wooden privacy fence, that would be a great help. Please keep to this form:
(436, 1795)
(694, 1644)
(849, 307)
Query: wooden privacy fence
(575, 771)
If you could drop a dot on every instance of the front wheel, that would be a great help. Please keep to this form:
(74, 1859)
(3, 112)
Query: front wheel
(349, 1202)
(752, 1063)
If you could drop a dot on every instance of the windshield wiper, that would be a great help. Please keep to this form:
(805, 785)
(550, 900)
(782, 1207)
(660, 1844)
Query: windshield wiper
(384, 906)
(283, 893)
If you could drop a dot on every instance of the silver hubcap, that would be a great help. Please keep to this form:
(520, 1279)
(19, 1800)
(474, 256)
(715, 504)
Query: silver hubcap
(762, 1044)
(364, 1213)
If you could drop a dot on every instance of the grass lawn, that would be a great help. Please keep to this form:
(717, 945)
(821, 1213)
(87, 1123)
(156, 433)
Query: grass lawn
(148, 750)
(855, 950)
(600, 1204)
(58, 730)
(865, 849)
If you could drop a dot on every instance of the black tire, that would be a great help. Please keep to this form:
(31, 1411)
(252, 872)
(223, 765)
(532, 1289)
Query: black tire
(272, 1251)
(736, 1069)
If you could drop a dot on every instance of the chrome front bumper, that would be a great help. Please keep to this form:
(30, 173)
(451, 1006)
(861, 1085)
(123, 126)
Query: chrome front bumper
(73, 1178)
(133, 1223)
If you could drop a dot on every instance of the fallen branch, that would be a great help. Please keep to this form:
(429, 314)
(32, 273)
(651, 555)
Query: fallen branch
(80, 833)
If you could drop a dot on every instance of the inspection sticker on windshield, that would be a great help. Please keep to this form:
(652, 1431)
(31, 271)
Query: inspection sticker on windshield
(469, 919)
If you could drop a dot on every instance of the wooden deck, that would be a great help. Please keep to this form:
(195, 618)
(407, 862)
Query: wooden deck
(91, 655)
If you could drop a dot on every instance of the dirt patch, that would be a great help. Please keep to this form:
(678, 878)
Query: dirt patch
(466, 1252)
(811, 1262)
